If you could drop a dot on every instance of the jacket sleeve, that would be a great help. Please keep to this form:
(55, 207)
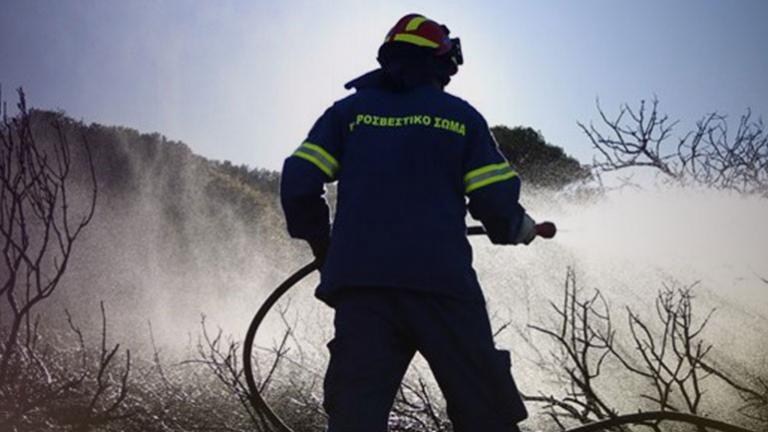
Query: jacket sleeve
(492, 186)
(305, 171)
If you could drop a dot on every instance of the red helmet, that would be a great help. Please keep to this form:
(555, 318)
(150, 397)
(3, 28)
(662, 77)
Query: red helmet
(419, 30)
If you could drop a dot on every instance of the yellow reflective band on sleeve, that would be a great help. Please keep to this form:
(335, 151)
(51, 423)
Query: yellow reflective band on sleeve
(486, 175)
(414, 23)
(489, 180)
(415, 39)
(485, 169)
(319, 157)
(322, 152)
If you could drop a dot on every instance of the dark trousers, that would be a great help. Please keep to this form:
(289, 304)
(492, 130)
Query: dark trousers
(378, 331)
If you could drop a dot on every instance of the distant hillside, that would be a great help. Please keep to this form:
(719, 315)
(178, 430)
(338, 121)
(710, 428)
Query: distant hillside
(174, 234)
(128, 162)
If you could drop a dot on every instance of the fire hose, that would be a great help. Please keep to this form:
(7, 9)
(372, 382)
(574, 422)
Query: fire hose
(544, 230)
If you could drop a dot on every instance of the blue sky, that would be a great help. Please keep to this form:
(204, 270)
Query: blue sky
(244, 80)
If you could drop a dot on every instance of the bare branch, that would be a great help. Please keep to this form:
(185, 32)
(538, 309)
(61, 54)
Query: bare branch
(707, 156)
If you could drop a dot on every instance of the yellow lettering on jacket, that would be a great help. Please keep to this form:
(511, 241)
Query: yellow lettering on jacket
(450, 125)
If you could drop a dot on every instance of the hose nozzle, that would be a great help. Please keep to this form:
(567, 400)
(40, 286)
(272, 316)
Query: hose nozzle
(546, 230)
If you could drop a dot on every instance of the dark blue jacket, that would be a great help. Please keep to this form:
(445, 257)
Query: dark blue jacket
(405, 163)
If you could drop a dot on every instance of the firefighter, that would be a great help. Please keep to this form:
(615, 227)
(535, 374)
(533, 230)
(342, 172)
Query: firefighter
(396, 265)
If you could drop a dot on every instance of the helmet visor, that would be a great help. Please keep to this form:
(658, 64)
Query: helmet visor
(455, 52)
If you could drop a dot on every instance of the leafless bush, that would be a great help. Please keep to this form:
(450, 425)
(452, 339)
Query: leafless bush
(181, 396)
(711, 155)
(672, 359)
(668, 355)
(38, 226)
(42, 384)
(290, 384)
(66, 385)
(583, 335)
(417, 408)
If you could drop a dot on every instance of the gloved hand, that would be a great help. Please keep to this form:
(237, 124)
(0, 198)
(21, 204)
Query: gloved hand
(527, 231)
(320, 250)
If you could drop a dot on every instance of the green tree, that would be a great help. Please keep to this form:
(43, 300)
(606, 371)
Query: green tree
(538, 162)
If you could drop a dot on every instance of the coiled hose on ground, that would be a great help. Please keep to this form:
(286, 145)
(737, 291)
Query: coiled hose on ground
(260, 404)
